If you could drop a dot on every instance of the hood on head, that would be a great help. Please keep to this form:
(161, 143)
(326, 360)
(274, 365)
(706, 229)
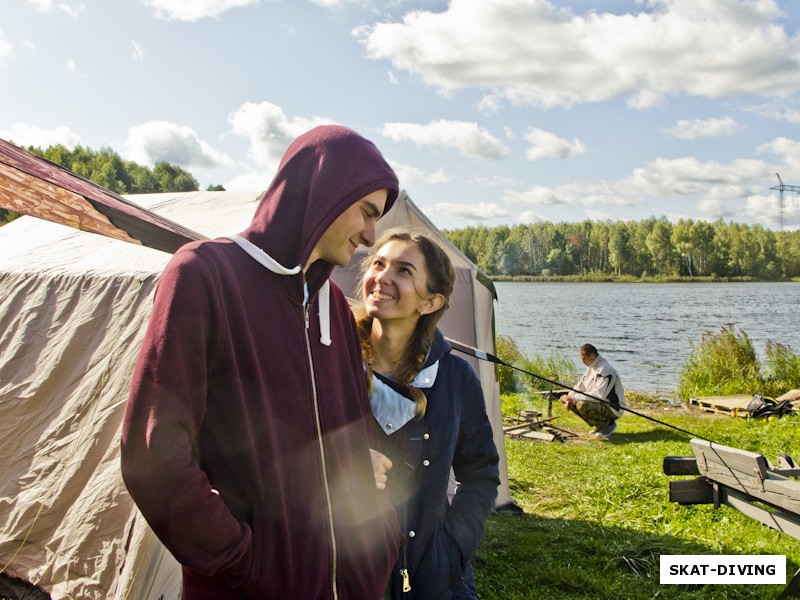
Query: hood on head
(322, 174)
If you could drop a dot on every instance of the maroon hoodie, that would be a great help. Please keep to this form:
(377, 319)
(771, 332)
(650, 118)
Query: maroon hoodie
(246, 440)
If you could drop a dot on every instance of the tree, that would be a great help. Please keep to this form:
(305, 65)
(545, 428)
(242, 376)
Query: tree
(684, 245)
(703, 244)
(619, 248)
(560, 262)
(659, 242)
(106, 168)
(598, 246)
(172, 178)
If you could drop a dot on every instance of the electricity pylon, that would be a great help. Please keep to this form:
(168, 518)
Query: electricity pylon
(782, 187)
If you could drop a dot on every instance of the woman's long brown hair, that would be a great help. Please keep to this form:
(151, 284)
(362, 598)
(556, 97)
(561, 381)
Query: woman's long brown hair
(440, 280)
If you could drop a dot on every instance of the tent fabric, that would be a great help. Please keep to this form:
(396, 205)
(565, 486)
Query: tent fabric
(73, 309)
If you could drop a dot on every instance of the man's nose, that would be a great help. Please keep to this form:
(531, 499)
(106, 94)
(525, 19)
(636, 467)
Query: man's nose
(368, 233)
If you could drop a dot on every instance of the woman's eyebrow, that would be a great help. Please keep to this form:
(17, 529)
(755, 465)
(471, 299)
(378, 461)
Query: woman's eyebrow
(402, 263)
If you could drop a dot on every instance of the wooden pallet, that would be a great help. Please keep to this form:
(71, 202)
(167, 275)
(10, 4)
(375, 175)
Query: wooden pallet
(734, 406)
(528, 424)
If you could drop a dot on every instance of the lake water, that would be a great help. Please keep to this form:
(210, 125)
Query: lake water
(644, 329)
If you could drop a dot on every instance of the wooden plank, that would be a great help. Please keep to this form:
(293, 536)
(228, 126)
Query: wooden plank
(735, 406)
(538, 435)
(38, 187)
(519, 427)
(680, 465)
(774, 519)
(691, 491)
(25, 194)
(731, 463)
(793, 589)
(746, 472)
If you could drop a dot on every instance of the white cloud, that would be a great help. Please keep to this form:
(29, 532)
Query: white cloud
(6, 47)
(409, 175)
(330, 4)
(194, 10)
(156, 141)
(595, 194)
(467, 138)
(533, 52)
(472, 214)
(250, 181)
(763, 209)
(548, 145)
(645, 99)
(697, 128)
(269, 130)
(597, 215)
(778, 110)
(138, 51)
(713, 209)
(23, 134)
(787, 151)
(71, 65)
(73, 10)
(495, 180)
(42, 5)
(529, 217)
(662, 179)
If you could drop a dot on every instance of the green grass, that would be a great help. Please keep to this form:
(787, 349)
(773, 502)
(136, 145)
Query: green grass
(598, 516)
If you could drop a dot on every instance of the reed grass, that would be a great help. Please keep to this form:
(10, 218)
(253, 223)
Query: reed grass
(726, 363)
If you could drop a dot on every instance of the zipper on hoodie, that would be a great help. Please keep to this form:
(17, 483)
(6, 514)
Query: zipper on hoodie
(318, 423)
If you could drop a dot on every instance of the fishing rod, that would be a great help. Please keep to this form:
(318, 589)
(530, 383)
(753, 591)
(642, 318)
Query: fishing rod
(483, 355)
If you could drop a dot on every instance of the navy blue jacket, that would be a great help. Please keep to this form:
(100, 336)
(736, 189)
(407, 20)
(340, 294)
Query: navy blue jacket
(455, 431)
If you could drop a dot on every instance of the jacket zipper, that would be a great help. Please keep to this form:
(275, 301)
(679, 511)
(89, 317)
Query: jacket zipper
(404, 567)
(318, 422)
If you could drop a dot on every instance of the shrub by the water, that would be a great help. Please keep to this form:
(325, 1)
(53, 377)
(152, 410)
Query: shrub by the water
(725, 363)
(554, 367)
(781, 369)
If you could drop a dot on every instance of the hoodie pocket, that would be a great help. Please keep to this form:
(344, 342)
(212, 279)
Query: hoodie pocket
(249, 575)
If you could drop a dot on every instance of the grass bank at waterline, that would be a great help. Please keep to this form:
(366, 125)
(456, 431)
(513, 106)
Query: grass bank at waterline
(598, 516)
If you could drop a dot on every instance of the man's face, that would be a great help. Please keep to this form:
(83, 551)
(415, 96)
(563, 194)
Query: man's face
(354, 226)
(587, 359)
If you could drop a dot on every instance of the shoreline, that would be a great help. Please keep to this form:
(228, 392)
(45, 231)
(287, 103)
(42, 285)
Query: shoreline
(629, 279)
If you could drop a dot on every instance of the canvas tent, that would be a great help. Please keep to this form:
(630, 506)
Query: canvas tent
(73, 308)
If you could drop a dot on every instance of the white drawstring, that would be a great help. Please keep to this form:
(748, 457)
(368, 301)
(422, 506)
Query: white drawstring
(273, 265)
(262, 257)
(325, 313)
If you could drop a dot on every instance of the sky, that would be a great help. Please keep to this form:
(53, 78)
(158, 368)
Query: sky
(492, 112)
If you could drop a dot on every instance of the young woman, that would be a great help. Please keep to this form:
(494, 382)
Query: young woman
(430, 409)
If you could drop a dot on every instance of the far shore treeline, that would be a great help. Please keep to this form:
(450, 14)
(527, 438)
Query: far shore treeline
(651, 249)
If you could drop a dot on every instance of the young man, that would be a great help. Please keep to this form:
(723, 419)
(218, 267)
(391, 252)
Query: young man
(599, 381)
(246, 438)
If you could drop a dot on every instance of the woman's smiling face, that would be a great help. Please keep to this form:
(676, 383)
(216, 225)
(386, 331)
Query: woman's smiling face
(395, 283)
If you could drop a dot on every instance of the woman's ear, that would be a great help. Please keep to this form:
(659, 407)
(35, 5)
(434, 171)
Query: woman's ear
(432, 304)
